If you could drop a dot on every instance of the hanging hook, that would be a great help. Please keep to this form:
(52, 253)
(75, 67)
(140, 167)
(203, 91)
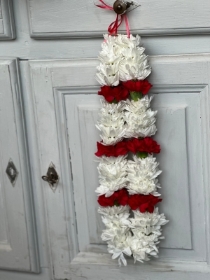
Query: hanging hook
(121, 7)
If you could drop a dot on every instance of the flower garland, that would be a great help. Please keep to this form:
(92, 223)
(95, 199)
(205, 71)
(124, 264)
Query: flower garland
(128, 170)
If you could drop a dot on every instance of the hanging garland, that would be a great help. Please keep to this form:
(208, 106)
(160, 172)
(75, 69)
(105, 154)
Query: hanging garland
(128, 171)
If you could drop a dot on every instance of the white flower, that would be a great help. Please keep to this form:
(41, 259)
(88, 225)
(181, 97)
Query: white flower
(142, 175)
(115, 226)
(134, 66)
(148, 223)
(108, 74)
(117, 223)
(111, 123)
(113, 211)
(118, 247)
(137, 236)
(143, 246)
(139, 118)
(112, 175)
(121, 59)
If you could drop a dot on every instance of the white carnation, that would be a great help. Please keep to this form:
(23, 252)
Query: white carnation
(112, 174)
(140, 118)
(121, 59)
(111, 123)
(142, 174)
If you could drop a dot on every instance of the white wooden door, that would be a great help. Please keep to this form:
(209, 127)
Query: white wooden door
(18, 248)
(56, 234)
(66, 106)
(7, 28)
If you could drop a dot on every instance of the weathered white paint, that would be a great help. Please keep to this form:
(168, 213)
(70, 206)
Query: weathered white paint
(26, 48)
(65, 108)
(18, 250)
(51, 19)
(7, 25)
(181, 95)
(11, 275)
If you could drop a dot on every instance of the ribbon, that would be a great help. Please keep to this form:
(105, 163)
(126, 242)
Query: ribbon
(113, 27)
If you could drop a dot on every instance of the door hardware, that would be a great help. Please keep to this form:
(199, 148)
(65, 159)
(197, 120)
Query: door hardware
(51, 177)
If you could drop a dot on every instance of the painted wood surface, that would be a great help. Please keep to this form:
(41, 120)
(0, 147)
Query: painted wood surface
(65, 107)
(67, 224)
(25, 47)
(176, 115)
(61, 18)
(18, 248)
(7, 25)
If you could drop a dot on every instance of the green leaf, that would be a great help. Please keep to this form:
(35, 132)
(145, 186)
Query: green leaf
(114, 101)
(142, 154)
(135, 95)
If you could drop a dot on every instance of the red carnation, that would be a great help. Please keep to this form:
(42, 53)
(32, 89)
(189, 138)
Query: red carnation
(133, 201)
(123, 196)
(117, 198)
(142, 86)
(151, 146)
(143, 202)
(146, 145)
(112, 94)
(148, 203)
(133, 145)
(104, 150)
(121, 149)
(106, 201)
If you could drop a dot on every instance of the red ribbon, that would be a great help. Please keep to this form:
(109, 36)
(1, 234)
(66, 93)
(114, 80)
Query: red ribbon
(113, 27)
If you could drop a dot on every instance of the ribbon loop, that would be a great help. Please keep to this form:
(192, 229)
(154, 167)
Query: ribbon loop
(113, 27)
(104, 6)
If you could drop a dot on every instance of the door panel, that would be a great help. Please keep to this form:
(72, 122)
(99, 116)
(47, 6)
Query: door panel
(79, 18)
(7, 26)
(17, 232)
(177, 113)
(65, 100)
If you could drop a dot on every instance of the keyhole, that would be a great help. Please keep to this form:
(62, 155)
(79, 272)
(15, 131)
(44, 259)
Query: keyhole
(12, 172)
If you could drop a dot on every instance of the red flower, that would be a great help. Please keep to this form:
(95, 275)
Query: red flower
(106, 201)
(114, 93)
(148, 203)
(103, 150)
(137, 201)
(133, 201)
(121, 149)
(142, 86)
(133, 145)
(143, 202)
(151, 146)
(147, 145)
(122, 197)
(118, 198)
